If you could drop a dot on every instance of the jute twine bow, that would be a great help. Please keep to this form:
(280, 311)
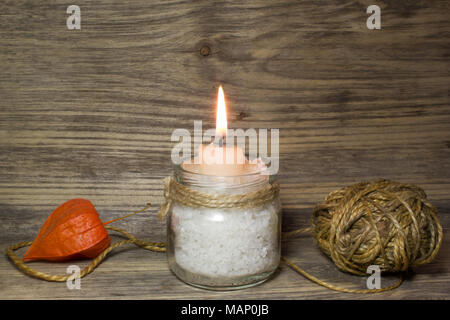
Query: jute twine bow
(384, 223)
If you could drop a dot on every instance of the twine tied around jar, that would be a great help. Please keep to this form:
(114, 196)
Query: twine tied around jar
(174, 191)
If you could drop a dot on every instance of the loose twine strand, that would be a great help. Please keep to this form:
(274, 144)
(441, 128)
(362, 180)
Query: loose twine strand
(153, 246)
(293, 266)
(327, 228)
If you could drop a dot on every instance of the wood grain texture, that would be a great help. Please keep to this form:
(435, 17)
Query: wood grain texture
(89, 113)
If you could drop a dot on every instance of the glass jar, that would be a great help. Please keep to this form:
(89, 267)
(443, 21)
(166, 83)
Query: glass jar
(223, 248)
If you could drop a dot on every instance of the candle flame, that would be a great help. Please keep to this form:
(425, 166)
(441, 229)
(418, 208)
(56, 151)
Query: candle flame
(221, 119)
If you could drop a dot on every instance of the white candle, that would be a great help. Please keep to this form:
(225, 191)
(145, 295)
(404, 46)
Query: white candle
(217, 158)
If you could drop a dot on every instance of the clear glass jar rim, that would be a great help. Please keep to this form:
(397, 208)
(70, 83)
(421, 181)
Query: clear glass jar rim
(196, 179)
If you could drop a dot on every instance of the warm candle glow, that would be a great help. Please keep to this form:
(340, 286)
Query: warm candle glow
(221, 119)
(220, 158)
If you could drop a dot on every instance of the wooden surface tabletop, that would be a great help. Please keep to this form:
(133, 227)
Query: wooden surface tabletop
(89, 113)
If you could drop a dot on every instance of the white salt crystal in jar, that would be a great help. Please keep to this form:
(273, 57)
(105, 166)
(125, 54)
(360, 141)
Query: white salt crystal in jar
(223, 248)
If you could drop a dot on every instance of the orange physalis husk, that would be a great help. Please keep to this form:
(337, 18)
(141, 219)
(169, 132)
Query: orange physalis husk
(73, 231)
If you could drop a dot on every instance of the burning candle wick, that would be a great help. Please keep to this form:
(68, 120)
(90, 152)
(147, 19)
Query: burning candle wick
(221, 120)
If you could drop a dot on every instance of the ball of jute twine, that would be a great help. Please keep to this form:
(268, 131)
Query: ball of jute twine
(384, 223)
(395, 227)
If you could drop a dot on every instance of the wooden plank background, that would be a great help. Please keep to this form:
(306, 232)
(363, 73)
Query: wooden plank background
(89, 113)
